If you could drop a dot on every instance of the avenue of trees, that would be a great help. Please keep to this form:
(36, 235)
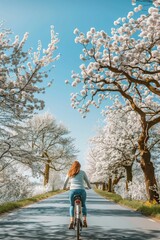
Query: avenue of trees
(113, 156)
(120, 71)
(123, 66)
(28, 142)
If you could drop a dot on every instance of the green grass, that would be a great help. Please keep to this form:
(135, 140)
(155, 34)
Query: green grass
(111, 196)
(9, 206)
(146, 208)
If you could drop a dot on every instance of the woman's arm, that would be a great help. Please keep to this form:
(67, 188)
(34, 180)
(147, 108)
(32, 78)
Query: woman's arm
(87, 181)
(66, 182)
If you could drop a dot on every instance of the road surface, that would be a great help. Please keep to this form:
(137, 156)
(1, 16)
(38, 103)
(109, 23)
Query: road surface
(49, 219)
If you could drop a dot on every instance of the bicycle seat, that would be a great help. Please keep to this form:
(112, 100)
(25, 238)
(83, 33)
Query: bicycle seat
(77, 197)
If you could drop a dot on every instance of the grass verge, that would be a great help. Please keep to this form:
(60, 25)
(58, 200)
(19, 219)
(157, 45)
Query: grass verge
(9, 206)
(146, 208)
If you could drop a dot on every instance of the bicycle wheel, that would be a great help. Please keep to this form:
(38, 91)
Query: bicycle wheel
(78, 229)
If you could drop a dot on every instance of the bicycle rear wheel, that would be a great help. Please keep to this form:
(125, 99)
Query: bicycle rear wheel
(78, 229)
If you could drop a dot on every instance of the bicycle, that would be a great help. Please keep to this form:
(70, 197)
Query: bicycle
(78, 215)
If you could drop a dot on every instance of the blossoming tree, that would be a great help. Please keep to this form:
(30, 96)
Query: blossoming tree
(115, 146)
(125, 63)
(22, 78)
(51, 142)
(14, 185)
(114, 151)
(21, 72)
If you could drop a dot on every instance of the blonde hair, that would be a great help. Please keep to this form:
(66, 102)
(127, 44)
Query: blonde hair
(74, 170)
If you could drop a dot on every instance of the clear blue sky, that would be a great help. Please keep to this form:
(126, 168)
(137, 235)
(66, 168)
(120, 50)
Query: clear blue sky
(36, 17)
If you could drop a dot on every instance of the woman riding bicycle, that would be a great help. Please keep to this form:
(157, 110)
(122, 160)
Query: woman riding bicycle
(77, 178)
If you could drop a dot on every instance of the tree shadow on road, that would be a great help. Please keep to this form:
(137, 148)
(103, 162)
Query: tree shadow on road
(48, 210)
(97, 233)
(101, 202)
(40, 232)
(113, 212)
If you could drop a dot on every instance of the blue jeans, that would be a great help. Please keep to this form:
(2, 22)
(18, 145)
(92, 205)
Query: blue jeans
(83, 195)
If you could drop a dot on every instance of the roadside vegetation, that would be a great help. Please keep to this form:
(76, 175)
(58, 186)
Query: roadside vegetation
(145, 207)
(9, 206)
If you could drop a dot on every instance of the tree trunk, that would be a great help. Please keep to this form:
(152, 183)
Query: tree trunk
(116, 181)
(149, 173)
(46, 172)
(129, 175)
(103, 186)
(146, 164)
(110, 184)
(96, 185)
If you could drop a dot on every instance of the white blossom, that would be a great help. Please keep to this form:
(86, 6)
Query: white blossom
(76, 31)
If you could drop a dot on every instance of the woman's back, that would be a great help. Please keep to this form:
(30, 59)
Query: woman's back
(77, 182)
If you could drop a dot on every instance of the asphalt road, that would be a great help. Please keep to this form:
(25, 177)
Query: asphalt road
(49, 219)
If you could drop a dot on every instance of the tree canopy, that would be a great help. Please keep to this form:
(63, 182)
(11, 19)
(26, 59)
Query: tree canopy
(124, 66)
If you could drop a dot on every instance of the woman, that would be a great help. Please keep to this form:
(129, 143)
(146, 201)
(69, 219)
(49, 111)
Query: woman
(77, 178)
